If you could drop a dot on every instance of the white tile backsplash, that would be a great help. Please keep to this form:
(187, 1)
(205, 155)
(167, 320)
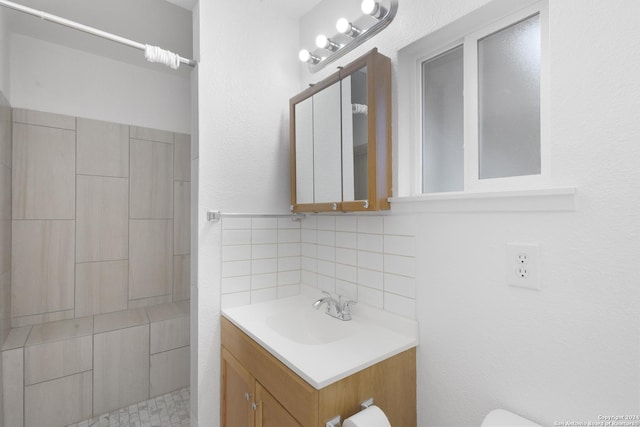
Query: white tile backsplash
(367, 258)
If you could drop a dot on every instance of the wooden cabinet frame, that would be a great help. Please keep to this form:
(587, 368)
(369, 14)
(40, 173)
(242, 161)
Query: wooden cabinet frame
(379, 136)
(391, 383)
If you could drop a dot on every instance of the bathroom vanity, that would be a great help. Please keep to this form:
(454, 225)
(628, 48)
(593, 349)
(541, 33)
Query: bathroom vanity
(341, 139)
(311, 368)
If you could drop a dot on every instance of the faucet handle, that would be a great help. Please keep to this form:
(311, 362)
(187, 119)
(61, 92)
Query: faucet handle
(347, 304)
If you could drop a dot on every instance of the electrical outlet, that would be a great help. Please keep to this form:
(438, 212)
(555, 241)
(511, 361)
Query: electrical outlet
(522, 267)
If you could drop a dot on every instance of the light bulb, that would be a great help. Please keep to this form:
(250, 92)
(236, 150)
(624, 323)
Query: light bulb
(345, 27)
(305, 56)
(323, 42)
(373, 8)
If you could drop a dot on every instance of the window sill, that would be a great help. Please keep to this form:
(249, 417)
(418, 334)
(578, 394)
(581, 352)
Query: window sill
(539, 200)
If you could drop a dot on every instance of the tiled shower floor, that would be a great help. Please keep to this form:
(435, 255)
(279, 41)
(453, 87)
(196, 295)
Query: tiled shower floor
(169, 410)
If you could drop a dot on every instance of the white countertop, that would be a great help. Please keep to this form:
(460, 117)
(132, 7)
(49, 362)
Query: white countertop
(319, 348)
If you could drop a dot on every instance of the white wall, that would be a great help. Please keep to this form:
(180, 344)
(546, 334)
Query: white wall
(567, 353)
(54, 78)
(570, 352)
(248, 70)
(4, 54)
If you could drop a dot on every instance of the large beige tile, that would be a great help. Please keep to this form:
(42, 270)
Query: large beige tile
(103, 148)
(169, 334)
(149, 302)
(182, 157)
(149, 134)
(60, 330)
(169, 371)
(42, 265)
(150, 258)
(5, 132)
(151, 180)
(121, 368)
(101, 287)
(168, 311)
(5, 219)
(102, 223)
(5, 306)
(181, 277)
(36, 319)
(120, 320)
(44, 173)
(42, 118)
(44, 362)
(13, 387)
(182, 218)
(59, 402)
(17, 338)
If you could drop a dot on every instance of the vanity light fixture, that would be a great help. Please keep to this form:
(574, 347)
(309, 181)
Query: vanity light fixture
(347, 28)
(351, 34)
(373, 8)
(323, 42)
(305, 56)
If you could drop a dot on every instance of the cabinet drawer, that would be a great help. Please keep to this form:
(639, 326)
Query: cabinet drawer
(300, 399)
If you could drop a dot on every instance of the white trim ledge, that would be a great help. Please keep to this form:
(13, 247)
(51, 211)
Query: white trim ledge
(538, 200)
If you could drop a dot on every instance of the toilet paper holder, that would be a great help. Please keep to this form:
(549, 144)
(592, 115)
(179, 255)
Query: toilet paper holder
(337, 420)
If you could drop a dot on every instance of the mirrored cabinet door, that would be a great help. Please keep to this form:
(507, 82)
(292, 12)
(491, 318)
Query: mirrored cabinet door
(355, 136)
(304, 151)
(326, 145)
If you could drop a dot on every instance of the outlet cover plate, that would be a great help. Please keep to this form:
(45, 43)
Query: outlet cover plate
(522, 265)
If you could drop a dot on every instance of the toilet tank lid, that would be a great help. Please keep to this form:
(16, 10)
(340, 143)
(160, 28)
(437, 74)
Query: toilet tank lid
(502, 418)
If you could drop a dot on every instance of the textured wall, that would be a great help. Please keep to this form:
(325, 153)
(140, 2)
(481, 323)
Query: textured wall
(569, 352)
(245, 80)
(51, 77)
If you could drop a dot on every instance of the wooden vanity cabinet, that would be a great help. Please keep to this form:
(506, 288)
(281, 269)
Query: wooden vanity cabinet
(341, 139)
(259, 390)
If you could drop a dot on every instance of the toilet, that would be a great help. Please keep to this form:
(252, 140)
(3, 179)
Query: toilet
(502, 418)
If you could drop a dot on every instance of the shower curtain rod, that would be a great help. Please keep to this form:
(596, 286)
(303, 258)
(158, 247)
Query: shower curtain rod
(84, 28)
(216, 216)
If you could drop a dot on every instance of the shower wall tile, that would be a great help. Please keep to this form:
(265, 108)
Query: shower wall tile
(150, 258)
(103, 148)
(120, 320)
(151, 179)
(182, 157)
(43, 254)
(58, 402)
(44, 164)
(169, 371)
(35, 319)
(170, 334)
(181, 218)
(101, 287)
(58, 359)
(61, 330)
(181, 277)
(5, 132)
(5, 219)
(148, 134)
(13, 386)
(42, 118)
(102, 223)
(149, 302)
(120, 368)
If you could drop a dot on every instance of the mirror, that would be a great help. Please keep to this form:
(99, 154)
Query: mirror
(355, 136)
(341, 140)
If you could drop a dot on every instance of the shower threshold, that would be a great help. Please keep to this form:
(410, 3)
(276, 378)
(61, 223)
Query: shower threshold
(169, 410)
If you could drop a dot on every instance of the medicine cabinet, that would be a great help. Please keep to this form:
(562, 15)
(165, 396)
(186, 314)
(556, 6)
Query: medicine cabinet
(341, 140)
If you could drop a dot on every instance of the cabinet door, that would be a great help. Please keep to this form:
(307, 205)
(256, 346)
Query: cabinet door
(237, 393)
(270, 412)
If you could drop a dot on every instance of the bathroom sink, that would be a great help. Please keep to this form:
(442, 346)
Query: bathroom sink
(320, 348)
(305, 325)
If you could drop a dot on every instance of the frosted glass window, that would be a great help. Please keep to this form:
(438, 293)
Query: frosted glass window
(509, 101)
(443, 123)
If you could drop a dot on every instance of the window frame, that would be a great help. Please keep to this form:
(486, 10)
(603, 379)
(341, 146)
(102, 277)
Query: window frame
(466, 32)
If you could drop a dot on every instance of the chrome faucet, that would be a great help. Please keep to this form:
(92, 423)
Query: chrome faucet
(338, 309)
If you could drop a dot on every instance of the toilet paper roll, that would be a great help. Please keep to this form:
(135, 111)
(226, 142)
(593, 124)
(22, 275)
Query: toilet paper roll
(370, 417)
